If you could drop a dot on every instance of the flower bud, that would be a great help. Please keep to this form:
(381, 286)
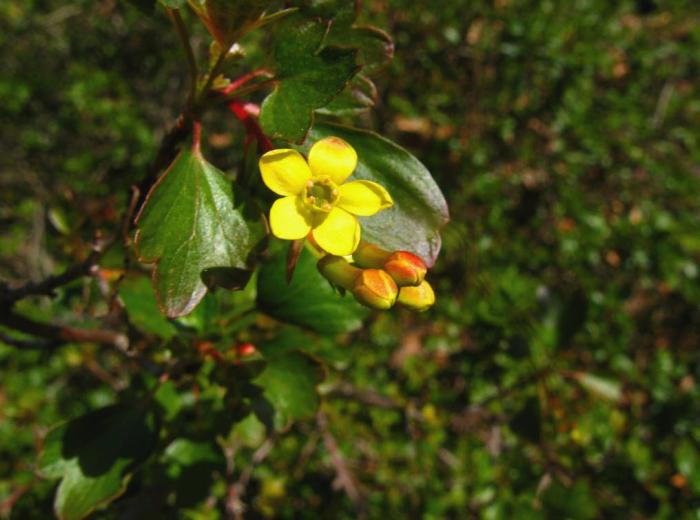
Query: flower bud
(406, 268)
(375, 288)
(337, 270)
(369, 255)
(419, 298)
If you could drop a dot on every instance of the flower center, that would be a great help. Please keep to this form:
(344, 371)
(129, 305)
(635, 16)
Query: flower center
(320, 194)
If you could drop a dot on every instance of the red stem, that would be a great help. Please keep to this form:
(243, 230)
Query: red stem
(239, 82)
(247, 113)
(196, 136)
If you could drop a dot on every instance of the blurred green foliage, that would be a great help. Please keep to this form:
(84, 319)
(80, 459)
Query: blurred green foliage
(557, 376)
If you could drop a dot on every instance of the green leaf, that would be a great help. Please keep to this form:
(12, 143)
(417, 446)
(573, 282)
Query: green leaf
(141, 306)
(289, 383)
(188, 224)
(600, 387)
(309, 300)
(228, 20)
(191, 467)
(309, 73)
(359, 96)
(95, 456)
(688, 463)
(419, 211)
(376, 48)
(187, 452)
(575, 502)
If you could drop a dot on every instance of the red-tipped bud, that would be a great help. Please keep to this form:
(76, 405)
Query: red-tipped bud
(419, 298)
(375, 288)
(369, 255)
(337, 270)
(406, 268)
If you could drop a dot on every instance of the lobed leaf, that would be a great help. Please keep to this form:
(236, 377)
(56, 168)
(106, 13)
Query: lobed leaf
(310, 74)
(95, 456)
(188, 224)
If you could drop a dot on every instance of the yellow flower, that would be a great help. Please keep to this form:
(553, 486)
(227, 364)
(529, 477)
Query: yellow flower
(314, 198)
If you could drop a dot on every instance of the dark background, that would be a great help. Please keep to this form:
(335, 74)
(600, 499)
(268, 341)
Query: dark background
(556, 375)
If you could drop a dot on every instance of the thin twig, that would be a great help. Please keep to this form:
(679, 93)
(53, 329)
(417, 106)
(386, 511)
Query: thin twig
(58, 334)
(234, 504)
(7, 504)
(24, 343)
(236, 94)
(232, 88)
(211, 75)
(344, 478)
(369, 397)
(181, 30)
(47, 286)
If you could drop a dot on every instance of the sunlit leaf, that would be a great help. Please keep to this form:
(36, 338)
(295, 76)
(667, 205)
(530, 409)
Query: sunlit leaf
(309, 73)
(188, 224)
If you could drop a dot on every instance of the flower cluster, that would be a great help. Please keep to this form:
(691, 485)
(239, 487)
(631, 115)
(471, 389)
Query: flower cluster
(380, 279)
(318, 203)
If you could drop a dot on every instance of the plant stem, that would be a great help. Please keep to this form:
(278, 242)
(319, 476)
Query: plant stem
(181, 30)
(245, 113)
(196, 136)
(213, 72)
(235, 94)
(47, 287)
(239, 82)
(58, 334)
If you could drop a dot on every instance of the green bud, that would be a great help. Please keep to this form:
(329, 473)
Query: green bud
(337, 270)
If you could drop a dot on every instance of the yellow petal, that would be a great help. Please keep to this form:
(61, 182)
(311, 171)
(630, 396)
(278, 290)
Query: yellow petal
(288, 219)
(284, 171)
(332, 157)
(364, 198)
(339, 233)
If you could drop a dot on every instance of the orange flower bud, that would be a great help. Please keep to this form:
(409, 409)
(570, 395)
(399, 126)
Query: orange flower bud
(419, 298)
(337, 270)
(406, 268)
(375, 288)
